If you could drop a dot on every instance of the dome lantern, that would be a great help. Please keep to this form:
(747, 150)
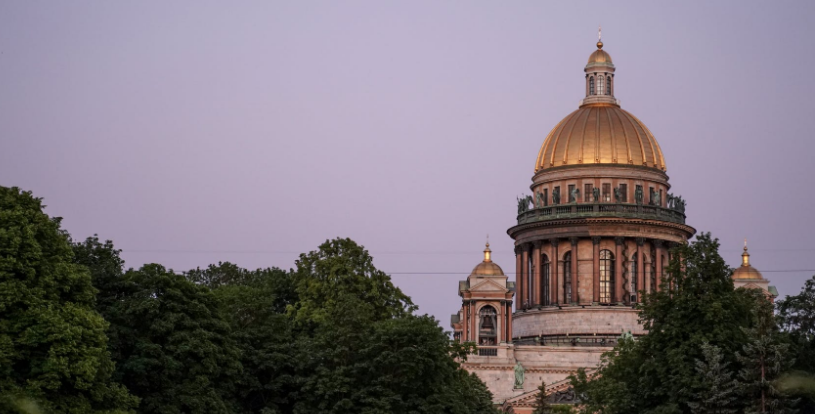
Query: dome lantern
(599, 76)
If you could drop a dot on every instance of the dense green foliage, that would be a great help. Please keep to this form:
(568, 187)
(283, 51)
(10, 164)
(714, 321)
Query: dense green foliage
(332, 336)
(796, 315)
(701, 318)
(53, 348)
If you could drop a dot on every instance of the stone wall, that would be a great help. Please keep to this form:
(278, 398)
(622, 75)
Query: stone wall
(573, 320)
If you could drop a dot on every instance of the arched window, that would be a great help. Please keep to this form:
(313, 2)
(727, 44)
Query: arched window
(591, 85)
(567, 277)
(546, 297)
(600, 85)
(487, 326)
(608, 86)
(634, 279)
(606, 276)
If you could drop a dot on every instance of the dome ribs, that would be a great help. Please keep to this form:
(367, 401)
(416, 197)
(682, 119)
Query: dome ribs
(629, 160)
(659, 159)
(639, 139)
(565, 146)
(612, 144)
(583, 136)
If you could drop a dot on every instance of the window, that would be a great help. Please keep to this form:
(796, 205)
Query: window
(606, 276)
(607, 192)
(591, 85)
(623, 193)
(545, 197)
(587, 193)
(556, 196)
(634, 279)
(567, 277)
(608, 86)
(545, 296)
(600, 85)
(571, 194)
(487, 326)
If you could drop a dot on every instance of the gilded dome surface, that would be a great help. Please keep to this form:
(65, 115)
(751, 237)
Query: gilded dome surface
(599, 56)
(747, 272)
(488, 269)
(600, 134)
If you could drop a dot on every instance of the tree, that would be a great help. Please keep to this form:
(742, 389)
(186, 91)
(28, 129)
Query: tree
(718, 390)
(542, 405)
(255, 308)
(361, 350)
(173, 348)
(796, 319)
(106, 266)
(657, 372)
(341, 268)
(764, 357)
(53, 348)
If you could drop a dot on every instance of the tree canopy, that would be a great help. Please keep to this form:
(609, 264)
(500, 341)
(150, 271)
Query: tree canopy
(53, 347)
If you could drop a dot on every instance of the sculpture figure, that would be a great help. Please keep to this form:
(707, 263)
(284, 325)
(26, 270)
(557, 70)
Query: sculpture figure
(519, 375)
(596, 194)
(638, 195)
(556, 196)
(618, 195)
(539, 200)
(669, 200)
(574, 195)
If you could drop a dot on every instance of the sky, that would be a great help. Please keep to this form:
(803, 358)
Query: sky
(193, 132)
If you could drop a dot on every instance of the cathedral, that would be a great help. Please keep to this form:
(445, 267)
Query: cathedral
(595, 233)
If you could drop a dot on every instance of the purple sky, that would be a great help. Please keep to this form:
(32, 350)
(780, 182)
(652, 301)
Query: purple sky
(196, 132)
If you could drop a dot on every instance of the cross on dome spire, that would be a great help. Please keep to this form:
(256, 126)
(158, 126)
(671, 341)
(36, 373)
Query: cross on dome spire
(600, 37)
(745, 257)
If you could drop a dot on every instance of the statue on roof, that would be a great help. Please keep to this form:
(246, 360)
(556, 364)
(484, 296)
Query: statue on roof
(519, 375)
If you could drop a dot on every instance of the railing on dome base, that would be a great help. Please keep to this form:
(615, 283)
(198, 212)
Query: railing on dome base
(568, 211)
(571, 340)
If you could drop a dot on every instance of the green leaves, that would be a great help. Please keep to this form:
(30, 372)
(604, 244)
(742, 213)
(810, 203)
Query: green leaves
(53, 348)
(694, 329)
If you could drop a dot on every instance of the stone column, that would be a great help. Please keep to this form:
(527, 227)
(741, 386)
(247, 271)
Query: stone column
(519, 282)
(464, 322)
(596, 276)
(658, 253)
(618, 270)
(575, 294)
(640, 267)
(553, 273)
(525, 274)
(536, 275)
(509, 323)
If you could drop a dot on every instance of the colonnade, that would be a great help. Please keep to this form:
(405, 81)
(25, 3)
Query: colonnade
(652, 256)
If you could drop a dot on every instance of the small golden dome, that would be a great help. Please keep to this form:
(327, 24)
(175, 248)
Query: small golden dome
(599, 56)
(746, 271)
(487, 267)
(600, 133)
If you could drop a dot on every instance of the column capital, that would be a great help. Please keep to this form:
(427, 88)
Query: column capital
(619, 240)
(573, 240)
(537, 243)
(595, 240)
(518, 249)
(640, 241)
(554, 242)
(657, 243)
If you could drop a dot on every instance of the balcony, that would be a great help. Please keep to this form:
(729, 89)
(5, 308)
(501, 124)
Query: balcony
(571, 211)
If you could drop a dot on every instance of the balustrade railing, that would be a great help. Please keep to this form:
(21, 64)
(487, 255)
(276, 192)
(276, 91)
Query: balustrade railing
(601, 210)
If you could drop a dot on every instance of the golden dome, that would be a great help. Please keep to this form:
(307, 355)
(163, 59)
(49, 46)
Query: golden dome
(599, 55)
(487, 267)
(746, 271)
(600, 133)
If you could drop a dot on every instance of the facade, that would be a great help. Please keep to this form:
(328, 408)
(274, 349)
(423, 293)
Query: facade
(595, 233)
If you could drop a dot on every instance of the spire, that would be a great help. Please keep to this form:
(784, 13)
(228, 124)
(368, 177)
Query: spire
(487, 251)
(599, 37)
(745, 257)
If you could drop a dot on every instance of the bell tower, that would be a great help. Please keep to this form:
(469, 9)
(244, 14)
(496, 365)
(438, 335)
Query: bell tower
(485, 317)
